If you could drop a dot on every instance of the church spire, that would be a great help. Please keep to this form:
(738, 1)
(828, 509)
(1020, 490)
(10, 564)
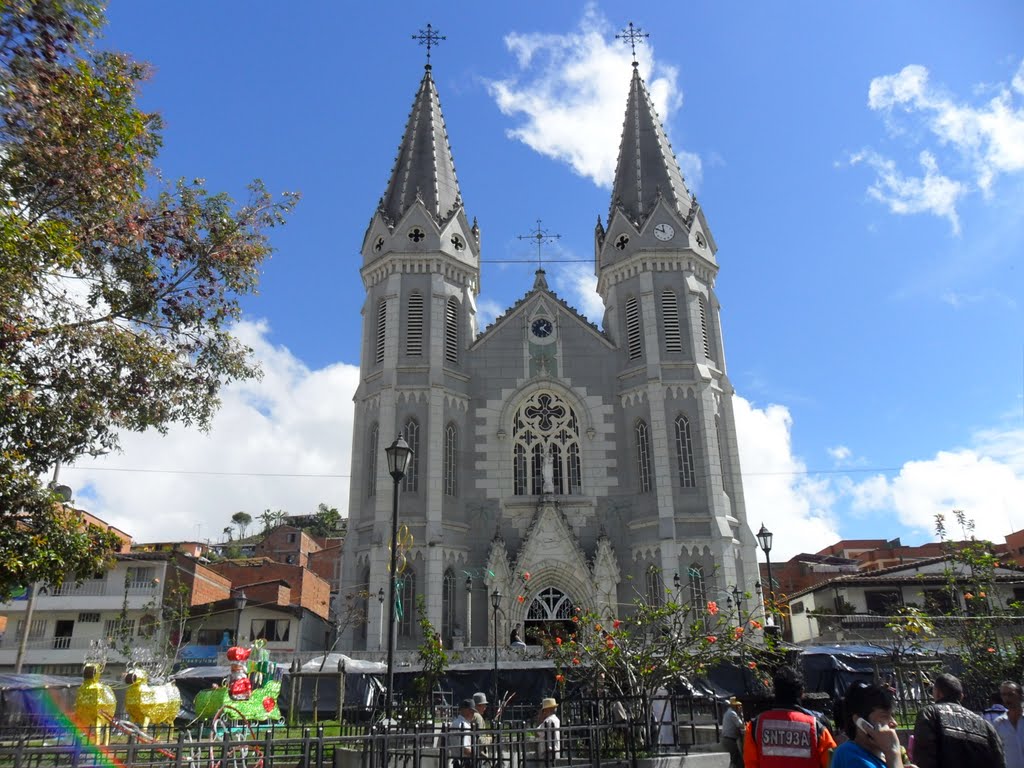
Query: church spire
(424, 169)
(647, 168)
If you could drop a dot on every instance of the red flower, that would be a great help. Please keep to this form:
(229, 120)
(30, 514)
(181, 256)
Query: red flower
(520, 598)
(712, 607)
(610, 643)
(737, 633)
(269, 703)
(558, 641)
(712, 639)
(576, 619)
(991, 650)
(575, 659)
(526, 576)
(981, 594)
(616, 624)
(560, 678)
(752, 664)
(597, 627)
(968, 596)
(755, 624)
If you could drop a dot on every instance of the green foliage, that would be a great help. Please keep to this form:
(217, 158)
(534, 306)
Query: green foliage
(243, 520)
(116, 302)
(431, 654)
(656, 646)
(325, 522)
(987, 639)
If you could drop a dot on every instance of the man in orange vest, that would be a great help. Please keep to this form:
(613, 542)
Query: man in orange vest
(787, 736)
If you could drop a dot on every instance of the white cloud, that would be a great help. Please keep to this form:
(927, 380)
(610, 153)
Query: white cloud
(571, 92)
(840, 453)
(487, 310)
(987, 139)
(577, 284)
(295, 421)
(985, 480)
(776, 487)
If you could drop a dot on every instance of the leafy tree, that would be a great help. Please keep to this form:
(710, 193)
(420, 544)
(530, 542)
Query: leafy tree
(325, 521)
(116, 301)
(987, 639)
(432, 656)
(243, 520)
(657, 645)
(229, 532)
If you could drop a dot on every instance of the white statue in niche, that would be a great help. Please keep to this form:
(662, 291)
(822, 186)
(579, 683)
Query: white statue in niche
(548, 470)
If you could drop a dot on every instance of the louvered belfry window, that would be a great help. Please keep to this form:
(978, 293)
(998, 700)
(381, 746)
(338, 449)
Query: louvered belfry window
(670, 319)
(451, 331)
(414, 329)
(634, 344)
(704, 326)
(382, 329)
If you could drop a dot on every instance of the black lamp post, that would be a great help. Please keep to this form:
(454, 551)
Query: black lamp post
(469, 611)
(496, 605)
(738, 596)
(380, 632)
(398, 454)
(240, 602)
(764, 538)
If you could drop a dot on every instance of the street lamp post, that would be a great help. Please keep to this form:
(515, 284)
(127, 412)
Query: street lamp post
(240, 602)
(469, 611)
(380, 631)
(764, 538)
(496, 605)
(398, 454)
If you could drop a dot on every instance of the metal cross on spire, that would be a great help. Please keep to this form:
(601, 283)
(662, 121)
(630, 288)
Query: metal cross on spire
(541, 237)
(429, 37)
(632, 35)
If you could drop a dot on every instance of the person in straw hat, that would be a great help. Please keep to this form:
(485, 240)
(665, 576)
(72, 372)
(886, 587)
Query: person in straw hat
(732, 732)
(549, 743)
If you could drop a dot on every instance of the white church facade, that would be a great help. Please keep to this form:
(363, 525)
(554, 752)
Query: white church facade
(602, 462)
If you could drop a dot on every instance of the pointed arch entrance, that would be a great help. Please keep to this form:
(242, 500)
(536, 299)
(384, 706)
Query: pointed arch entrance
(550, 614)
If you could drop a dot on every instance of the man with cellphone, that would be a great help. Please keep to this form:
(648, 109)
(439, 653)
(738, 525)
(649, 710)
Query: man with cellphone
(866, 716)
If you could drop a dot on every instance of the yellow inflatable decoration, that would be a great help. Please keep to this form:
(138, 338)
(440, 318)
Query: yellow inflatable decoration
(95, 703)
(150, 704)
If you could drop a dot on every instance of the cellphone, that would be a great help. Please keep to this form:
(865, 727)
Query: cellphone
(865, 726)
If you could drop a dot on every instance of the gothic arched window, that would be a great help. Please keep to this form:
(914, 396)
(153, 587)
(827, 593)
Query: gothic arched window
(684, 453)
(365, 589)
(546, 447)
(411, 433)
(451, 331)
(643, 456)
(448, 605)
(655, 587)
(382, 329)
(723, 448)
(451, 449)
(698, 592)
(634, 342)
(407, 595)
(414, 325)
(371, 461)
(670, 321)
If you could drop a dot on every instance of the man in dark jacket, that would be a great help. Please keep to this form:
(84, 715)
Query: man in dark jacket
(787, 736)
(947, 735)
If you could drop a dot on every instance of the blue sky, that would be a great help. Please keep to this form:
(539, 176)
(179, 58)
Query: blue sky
(861, 166)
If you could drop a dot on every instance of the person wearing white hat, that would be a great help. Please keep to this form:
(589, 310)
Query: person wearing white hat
(732, 732)
(549, 744)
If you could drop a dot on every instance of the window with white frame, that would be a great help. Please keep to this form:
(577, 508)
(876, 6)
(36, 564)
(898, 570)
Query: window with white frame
(698, 589)
(448, 605)
(643, 456)
(411, 435)
(546, 446)
(451, 450)
(655, 587)
(407, 606)
(271, 630)
(684, 453)
(371, 460)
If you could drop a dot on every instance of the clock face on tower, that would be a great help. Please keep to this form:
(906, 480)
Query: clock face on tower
(664, 232)
(542, 328)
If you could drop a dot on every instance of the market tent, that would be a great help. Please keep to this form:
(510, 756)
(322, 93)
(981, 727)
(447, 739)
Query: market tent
(34, 699)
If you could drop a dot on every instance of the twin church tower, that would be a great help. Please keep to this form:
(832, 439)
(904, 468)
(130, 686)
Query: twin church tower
(560, 464)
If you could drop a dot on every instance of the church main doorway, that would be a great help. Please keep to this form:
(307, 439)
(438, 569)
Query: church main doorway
(549, 615)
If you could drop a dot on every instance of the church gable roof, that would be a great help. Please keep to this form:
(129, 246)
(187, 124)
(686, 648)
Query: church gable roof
(647, 168)
(424, 168)
(540, 289)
